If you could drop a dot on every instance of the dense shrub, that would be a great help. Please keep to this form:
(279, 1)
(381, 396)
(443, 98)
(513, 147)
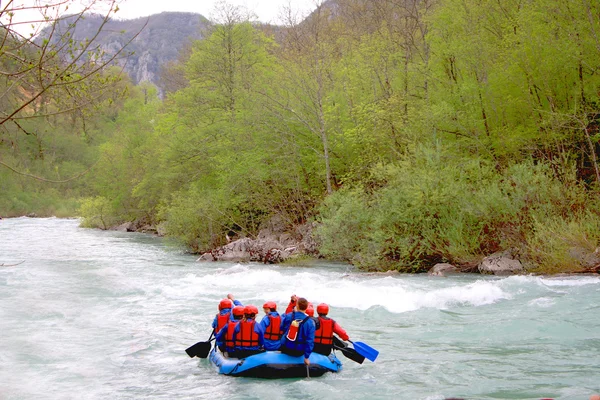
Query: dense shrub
(97, 212)
(437, 208)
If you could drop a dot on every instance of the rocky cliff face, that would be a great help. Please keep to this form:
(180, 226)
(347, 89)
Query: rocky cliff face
(160, 38)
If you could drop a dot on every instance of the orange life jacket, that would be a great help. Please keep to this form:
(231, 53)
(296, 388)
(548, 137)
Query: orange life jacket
(229, 334)
(273, 331)
(222, 320)
(246, 337)
(324, 335)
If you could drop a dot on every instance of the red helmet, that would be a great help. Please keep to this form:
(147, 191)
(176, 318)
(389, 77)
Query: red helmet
(310, 311)
(225, 303)
(238, 311)
(270, 305)
(250, 310)
(323, 309)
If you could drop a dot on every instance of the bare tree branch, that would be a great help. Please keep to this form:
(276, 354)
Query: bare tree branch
(11, 265)
(39, 178)
(30, 76)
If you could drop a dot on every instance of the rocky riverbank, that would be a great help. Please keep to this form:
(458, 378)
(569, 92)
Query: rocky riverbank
(276, 244)
(272, 245)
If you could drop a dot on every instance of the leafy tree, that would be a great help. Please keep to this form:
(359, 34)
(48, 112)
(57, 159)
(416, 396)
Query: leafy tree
(207, 139)
(124, 156)
(516, 77)
(307, 57)
(53, 74)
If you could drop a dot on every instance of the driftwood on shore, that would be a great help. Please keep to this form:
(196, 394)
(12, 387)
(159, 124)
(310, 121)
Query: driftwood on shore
(591, 270)
(11, 265)
(274, 244)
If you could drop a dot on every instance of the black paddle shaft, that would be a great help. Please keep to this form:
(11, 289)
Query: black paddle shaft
(200, 349)
(348, 352)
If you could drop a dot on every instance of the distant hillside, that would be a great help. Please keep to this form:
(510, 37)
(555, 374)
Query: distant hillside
(158, 43)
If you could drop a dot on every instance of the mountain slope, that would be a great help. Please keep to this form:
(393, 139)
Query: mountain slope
(159, 40)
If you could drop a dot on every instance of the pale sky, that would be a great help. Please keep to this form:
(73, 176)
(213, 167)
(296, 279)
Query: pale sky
(268, 11)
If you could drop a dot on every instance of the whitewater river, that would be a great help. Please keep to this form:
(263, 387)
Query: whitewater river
(89, 314)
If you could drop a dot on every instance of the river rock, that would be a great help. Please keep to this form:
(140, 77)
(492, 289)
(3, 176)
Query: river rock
(501, 263)
(442, 269)
(148, 229)
(241, 250)
(125, 227)
(585, 257)
(273, 245)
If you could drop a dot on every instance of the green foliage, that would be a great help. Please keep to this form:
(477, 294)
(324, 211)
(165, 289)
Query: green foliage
(121, 166)
(433, 207)
(560, 244)
(97, 212)
(501, 84)
(224, 66)
(46, 161)
(346, 222)
(432, 132)
(428, 208)
(199, 219)
(48, 202)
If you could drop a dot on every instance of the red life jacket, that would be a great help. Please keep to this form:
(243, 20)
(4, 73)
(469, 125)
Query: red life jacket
(273, 331)
(294, 328)
(229, 334)
(222, 320)
(246, 337)
(324, 335)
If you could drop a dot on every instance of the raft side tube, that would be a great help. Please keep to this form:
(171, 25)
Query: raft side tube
(274, 364)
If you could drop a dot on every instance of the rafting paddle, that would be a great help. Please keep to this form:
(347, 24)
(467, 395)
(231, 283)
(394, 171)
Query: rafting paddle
(350, 353)
(365, 350)
(200, 349)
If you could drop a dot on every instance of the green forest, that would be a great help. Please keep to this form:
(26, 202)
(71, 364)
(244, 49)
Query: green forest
(409, 132)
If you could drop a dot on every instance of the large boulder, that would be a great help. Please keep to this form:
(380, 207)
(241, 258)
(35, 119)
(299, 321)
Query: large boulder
(241, 250)
(264, 250)
(501, 263)
(585, 257)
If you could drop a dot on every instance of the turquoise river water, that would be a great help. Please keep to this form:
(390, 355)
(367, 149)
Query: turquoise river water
(89, 314)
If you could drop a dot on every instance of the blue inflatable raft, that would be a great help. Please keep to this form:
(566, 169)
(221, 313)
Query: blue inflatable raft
(274, 364)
